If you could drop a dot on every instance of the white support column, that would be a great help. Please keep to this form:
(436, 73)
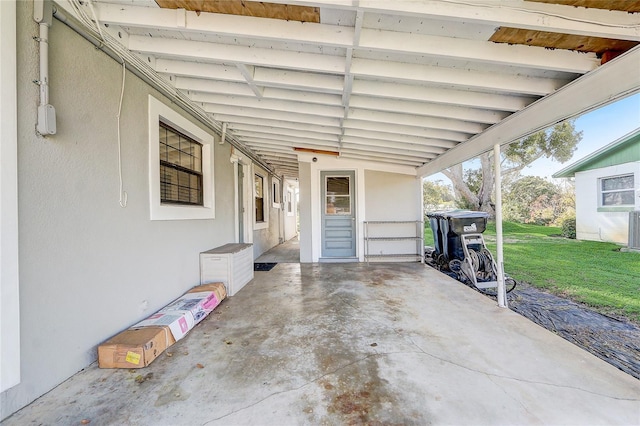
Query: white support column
(502, 295)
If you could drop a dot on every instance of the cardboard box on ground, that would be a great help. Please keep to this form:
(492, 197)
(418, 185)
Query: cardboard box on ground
(139, 345)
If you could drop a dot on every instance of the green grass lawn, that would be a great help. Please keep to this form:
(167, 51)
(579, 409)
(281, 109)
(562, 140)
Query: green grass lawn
(594, 273)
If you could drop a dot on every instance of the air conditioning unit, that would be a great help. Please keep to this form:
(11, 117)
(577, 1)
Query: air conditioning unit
(634, 230)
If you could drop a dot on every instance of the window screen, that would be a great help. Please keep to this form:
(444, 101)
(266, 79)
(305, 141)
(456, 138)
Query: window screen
(180, 168)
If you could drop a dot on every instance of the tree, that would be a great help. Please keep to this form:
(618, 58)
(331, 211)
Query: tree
(558, 142)
(532, 200)
(436, 195)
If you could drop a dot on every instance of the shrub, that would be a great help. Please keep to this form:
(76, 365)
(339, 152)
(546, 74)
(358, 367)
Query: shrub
(569, 228)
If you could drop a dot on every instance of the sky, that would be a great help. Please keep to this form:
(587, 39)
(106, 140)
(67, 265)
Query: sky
(599, 128)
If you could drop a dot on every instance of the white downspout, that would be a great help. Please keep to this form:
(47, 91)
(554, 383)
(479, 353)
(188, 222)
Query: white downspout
(502, 295)
(43, 15)
(223, 136)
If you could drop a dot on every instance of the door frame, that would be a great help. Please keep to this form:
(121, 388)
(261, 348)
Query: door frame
(351, 174)
(247, 194)
(333, 165)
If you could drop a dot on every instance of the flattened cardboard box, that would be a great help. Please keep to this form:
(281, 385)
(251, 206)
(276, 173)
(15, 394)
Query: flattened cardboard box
(135, 347)
(218, 288)
(179, 322)
(196, 305)
(138, 346)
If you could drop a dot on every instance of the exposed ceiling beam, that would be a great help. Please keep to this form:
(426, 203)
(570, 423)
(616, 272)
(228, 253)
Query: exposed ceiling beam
(614, 80)
(421, 132)
(287, 79)
(479, 51)
(284, 135)
(375, 156)
(240, 89)
(196, 69)
(291, 157)
(223, 24)
(517, 13)
(223, 109)
(225, 53)
(299, 80)
(391, 147)
(301, 130)
(268, 104)
(286, 139)
(213, 86)
(396, 139)
(416, 120)
(521, 14)
(463, 78)
(475, 115)
(389, 161)
(288, 145)
(438, 95)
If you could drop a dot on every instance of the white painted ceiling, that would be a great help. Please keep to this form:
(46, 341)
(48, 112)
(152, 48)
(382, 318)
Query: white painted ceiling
(395, 82)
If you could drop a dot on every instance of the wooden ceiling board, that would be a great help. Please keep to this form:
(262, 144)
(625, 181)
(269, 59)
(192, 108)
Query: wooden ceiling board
(624, 5)
(238, 7)
(560, 41)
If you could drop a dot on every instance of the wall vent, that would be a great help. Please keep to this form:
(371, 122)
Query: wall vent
(634, 229)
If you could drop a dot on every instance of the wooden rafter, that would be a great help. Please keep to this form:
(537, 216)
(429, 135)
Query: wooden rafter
(246, 8)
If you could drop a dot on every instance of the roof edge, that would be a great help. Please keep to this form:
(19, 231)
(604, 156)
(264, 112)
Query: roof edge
(571, 169)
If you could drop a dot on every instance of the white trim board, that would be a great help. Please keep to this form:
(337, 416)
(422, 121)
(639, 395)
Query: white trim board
(159, 211)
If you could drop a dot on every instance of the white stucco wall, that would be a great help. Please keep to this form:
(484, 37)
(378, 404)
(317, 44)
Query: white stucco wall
(595, 225)
(9, 284)
(89, 268)
(392, 197)
(367, 195)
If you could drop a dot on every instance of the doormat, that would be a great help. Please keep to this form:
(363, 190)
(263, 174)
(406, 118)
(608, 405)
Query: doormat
(263, 266)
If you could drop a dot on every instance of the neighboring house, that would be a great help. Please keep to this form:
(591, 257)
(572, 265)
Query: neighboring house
(228, 128)
(607, 185)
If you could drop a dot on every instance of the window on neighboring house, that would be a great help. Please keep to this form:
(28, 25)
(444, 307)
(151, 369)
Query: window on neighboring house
(259, 184)
(617, 191)
(180, 168)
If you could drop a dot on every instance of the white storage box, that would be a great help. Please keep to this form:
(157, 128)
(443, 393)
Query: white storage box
(231, 264)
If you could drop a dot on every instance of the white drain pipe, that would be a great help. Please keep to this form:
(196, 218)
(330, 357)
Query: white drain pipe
(223, 136)
(43, 15)
(502, 295)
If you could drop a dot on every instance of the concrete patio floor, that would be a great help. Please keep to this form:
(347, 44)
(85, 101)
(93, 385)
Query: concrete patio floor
(353, 344)
(287, 252)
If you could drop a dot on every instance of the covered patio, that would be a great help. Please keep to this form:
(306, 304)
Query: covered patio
(136, 135)
(353, 344)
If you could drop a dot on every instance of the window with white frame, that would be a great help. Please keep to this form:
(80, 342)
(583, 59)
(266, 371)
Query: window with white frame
(617, 191)
(180, 166)
(259, 198)
(290, 202)
(275, 193)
